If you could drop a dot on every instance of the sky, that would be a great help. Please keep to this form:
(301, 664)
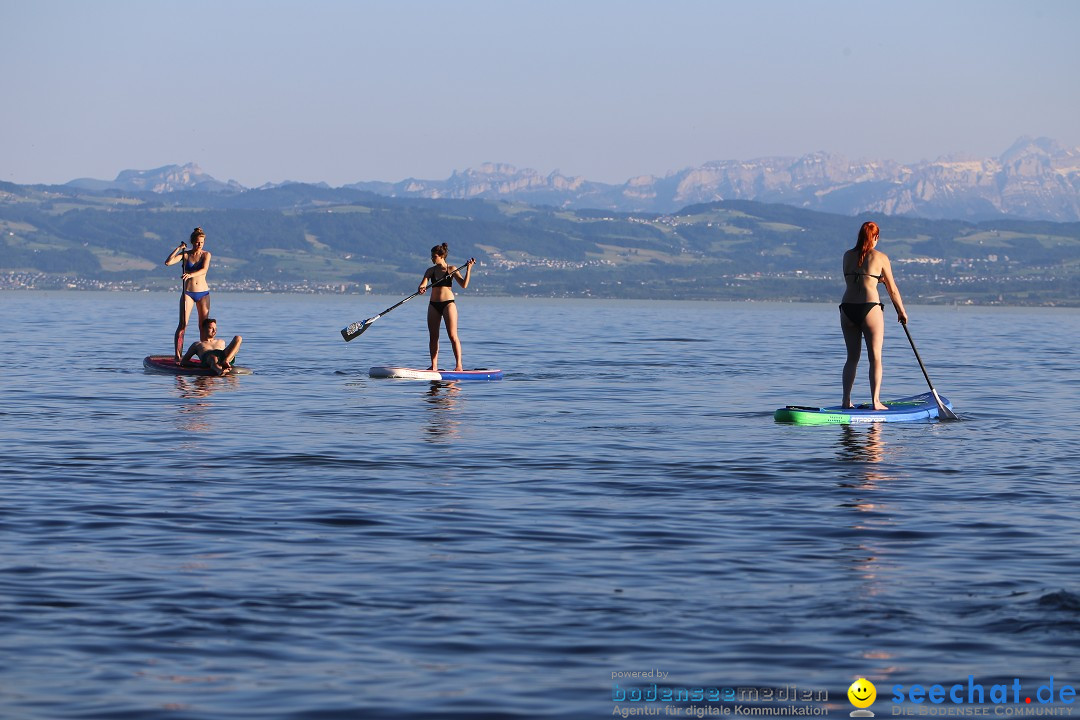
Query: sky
(336, 91)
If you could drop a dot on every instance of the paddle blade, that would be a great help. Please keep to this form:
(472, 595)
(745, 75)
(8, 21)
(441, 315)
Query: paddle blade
(357, 329)
(944, 413)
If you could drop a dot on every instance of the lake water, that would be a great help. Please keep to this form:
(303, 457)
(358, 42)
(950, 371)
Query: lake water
(310, 543)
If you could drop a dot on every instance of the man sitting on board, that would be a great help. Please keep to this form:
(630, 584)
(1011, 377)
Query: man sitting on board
(213, 353)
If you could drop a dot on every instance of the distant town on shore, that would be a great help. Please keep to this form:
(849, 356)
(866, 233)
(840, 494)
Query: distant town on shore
(299, 238)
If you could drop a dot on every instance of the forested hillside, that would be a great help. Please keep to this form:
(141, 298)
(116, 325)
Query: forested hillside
(311, 239)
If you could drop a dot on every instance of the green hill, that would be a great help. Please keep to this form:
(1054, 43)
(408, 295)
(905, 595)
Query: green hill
(307, 238)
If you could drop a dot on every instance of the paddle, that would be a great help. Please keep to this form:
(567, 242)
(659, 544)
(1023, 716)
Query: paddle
(358, 328)
(178, 339)
(943, 412)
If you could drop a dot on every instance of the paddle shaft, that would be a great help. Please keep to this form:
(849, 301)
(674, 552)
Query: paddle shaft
(398, 304)
(916, 351)
(183, 254)
(178, 338)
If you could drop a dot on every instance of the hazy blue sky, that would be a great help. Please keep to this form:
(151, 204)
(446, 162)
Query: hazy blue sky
(271, 90)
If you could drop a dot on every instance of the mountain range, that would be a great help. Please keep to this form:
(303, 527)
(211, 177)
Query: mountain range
(1035, 179)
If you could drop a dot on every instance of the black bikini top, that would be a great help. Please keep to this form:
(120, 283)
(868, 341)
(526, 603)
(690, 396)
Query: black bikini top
(880, 278)
(446, 281)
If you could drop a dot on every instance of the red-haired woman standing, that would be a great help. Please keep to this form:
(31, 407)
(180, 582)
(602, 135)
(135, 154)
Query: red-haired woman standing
(862, 314)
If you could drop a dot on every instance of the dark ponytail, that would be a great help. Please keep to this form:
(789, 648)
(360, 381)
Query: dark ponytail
(440, 250)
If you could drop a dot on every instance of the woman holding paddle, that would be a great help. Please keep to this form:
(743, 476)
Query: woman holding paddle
(194, 291)
(440, 278)
(862, 314)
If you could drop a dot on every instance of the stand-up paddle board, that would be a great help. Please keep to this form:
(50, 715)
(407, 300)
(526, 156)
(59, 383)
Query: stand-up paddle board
(167, 364)
(907, 409)
(414, 374)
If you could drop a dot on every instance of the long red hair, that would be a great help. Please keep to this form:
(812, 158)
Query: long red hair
(867, 235)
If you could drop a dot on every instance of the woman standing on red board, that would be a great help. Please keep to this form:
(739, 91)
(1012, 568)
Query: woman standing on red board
(195, 291)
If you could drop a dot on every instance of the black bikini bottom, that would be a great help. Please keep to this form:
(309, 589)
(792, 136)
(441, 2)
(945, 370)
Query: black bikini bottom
(857, 312)
(440, 306)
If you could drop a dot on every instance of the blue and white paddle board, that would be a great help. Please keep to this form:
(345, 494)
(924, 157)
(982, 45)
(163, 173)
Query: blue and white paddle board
(414, 374)
(906, 409)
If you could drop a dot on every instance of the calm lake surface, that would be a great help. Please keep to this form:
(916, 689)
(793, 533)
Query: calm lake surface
(309, 543)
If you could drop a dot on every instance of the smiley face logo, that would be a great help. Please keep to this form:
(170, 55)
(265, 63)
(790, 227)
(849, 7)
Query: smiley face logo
(862, 693)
